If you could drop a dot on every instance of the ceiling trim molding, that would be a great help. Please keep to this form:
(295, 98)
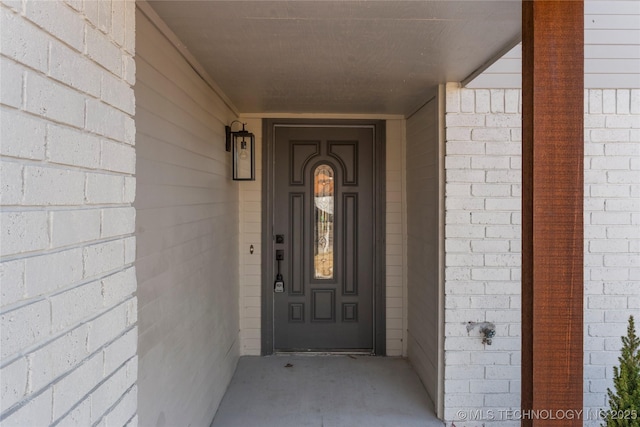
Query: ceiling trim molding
(322, 116)
(147, 10)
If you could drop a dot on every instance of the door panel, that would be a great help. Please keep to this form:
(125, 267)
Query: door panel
(324, 206)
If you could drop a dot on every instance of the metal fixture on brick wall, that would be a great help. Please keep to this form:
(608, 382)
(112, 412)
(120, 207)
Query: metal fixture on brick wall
(487, 329)
(242, 144)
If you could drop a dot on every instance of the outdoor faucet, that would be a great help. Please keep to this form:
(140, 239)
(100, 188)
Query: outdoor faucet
(487, 329)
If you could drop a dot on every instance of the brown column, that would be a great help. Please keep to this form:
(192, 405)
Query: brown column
(552, 211)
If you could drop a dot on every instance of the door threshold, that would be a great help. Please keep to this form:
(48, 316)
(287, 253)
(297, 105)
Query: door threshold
(325, 353)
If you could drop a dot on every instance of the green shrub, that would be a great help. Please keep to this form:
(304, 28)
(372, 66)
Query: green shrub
(625, 402)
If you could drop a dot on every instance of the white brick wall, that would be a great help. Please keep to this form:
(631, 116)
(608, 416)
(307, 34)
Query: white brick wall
(612, 232)
(482, 249)
(483, 242)
(67, 307)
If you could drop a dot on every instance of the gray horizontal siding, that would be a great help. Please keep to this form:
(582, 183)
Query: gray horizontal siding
(612, 50)
(187, 238)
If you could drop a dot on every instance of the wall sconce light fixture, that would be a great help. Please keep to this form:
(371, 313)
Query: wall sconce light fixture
(242, 144)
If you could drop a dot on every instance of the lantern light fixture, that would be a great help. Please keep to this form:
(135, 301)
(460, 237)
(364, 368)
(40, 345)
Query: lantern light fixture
(242, 145)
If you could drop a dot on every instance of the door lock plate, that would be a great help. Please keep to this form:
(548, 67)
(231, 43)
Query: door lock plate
(278, 286)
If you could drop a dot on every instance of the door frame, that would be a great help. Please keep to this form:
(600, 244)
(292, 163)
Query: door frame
(379, 220)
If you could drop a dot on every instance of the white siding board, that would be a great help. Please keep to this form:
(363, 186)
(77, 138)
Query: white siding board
(187, 234)
(191, 122)
(612, 50)
(609, 81)
(250, 265)
(166, 131)
(175, 68)
(604, 22)
(604, 66)
(422, 175)
(183, 159)
(612, 36)
(612, 7)
(190, 100)
(617, 51)
(175, 174)
(396, 301)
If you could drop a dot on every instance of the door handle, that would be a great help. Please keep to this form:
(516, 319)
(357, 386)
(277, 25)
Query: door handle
(278, 285)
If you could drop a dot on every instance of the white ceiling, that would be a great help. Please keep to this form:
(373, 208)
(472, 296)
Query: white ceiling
(342, 57)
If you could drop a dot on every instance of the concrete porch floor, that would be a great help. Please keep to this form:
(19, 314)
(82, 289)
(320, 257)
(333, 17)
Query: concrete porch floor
(325, 391)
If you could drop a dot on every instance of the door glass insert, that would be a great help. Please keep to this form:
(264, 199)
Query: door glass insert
(323, 225)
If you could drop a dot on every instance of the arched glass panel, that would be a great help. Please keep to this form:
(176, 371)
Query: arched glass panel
(323, 225)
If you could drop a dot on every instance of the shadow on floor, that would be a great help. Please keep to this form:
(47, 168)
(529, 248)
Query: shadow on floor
(325, 391)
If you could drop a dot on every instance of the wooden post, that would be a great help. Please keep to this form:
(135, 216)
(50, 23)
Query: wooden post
(552, 211)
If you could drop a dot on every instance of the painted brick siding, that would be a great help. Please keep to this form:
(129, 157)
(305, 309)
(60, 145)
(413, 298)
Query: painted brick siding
(612, 233)
(68, 309)
(483, 243)
(187, 236)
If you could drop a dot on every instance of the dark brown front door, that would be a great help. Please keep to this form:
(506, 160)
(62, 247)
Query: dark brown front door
(324, 229)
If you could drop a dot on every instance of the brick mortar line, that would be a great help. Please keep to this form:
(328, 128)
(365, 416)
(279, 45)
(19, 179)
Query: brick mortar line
(86, 21)
(112, 408)
(61, 208)
(68, 208)
(35, 347)
(46, 75)
(25, 400)
(84, 130)
(81, 245)
(26, 302)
